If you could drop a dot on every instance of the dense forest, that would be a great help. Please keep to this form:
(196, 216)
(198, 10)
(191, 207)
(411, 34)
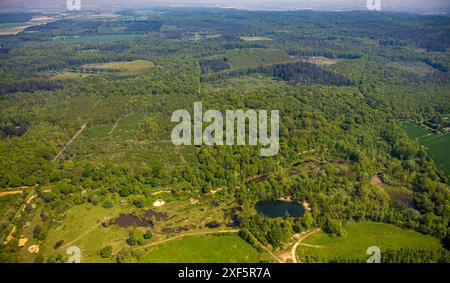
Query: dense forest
(343, 83)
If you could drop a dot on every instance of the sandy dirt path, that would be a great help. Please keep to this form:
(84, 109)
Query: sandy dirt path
(114, 127)
(10, 236)
(160, 192)
(70, 141)
(302, 238)
(311, 246)
(87, 232)
(21, 209)
(28, 201)
(276, 258)
(4, 194)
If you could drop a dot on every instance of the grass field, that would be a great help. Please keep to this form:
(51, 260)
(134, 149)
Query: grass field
(12, 28)
(255, 38)
(7, 28)
(323, 61)
(82, 228)
(135, 66)
(69, 76)
(228, 249)
(438, 146)
(359, 237)
(414, 67)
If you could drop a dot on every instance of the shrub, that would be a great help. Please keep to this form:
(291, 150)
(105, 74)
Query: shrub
(106, 252)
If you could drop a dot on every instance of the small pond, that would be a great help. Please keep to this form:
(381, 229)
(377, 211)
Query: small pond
(128, 220)
(159, 216)
(278, 208)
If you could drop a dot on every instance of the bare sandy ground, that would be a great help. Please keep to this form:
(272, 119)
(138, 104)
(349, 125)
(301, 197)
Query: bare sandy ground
(10, 236)
(22, 242)
(3, 194)
(302, 238)
(376, 181)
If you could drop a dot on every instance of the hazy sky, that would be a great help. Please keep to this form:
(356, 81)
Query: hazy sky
(408, 5)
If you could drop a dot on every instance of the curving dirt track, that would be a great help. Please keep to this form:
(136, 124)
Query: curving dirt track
(302, 238)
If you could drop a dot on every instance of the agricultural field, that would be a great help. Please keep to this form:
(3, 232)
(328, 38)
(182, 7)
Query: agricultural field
(353, 246)
(11, 28)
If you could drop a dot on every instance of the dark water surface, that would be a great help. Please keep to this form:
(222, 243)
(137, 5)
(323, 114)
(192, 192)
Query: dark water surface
(278, 208)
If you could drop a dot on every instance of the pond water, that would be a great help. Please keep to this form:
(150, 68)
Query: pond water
(159, 216)
(278, 208)
(128, 220)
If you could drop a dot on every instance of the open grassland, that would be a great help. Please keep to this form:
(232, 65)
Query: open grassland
(125, 141)
(419, 68)
(255, 38)
(228, 249)
(438, 146)
(68, 76)
(92, 16)
(12, 28)
(322, 247)
(135, 66)
(82, 228)
(18, 25)
(321, 61)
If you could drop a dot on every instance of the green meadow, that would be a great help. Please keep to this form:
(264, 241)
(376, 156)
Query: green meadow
(204, 249)
(322, 247)
(438, 146)
(82, 228)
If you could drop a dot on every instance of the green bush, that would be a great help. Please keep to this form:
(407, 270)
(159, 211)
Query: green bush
(106, 252)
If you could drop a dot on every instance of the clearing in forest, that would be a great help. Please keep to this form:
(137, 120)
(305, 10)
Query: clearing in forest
(359, 237)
